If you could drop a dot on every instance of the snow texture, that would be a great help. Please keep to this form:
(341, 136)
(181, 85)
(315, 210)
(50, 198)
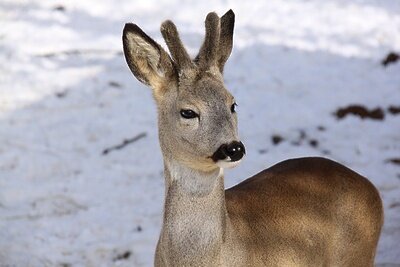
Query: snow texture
(66, 94)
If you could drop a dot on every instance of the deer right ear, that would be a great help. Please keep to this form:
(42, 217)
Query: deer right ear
(226, 38)
(147, 60)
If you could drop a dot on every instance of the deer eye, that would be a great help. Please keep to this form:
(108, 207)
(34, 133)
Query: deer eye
(188, 114)
(233, 107)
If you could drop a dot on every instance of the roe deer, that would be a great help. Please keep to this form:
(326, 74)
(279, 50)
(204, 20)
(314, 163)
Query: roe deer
(300, 212)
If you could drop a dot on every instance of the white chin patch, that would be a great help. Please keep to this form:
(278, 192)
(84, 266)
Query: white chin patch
(227, 163)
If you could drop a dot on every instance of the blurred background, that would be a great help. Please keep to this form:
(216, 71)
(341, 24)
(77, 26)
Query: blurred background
(81, 180)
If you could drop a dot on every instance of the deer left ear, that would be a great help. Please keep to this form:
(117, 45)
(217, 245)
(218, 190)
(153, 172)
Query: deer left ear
(147, 60)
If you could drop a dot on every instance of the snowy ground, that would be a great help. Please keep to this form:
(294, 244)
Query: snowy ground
(66, 94)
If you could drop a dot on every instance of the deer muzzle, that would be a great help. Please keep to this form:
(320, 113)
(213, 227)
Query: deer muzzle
(231, 152)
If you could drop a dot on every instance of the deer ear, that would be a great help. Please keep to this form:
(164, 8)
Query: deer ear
(147, 60)
(226, 38)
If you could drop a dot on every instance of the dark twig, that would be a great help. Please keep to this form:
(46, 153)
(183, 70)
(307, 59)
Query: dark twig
(391, 58)
(78, 52)
(123, 256)
(360, 111)
(124, 143)
(393, 161)
(394, 110)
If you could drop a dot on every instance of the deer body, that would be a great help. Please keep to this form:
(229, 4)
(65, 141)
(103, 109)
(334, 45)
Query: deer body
(300, 212)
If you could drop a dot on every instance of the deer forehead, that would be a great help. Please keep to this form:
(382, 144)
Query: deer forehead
(205, 92)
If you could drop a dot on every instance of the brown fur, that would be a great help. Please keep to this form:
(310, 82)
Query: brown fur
(312, 211)
(300, 212)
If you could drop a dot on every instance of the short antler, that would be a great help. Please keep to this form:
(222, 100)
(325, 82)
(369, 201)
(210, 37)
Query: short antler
(226, 38)
(216, 47)
(208, 55)
(175, 46)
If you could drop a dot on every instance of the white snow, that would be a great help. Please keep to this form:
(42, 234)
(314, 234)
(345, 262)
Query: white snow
(66, 94)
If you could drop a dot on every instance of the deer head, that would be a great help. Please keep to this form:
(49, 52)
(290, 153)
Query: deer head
(196, 113)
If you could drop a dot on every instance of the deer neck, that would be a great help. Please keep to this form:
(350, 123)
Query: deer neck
(194, 216)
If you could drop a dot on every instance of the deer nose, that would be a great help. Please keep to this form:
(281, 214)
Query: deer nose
(234, 151)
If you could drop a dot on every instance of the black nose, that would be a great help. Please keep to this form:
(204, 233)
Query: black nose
(234, 150)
